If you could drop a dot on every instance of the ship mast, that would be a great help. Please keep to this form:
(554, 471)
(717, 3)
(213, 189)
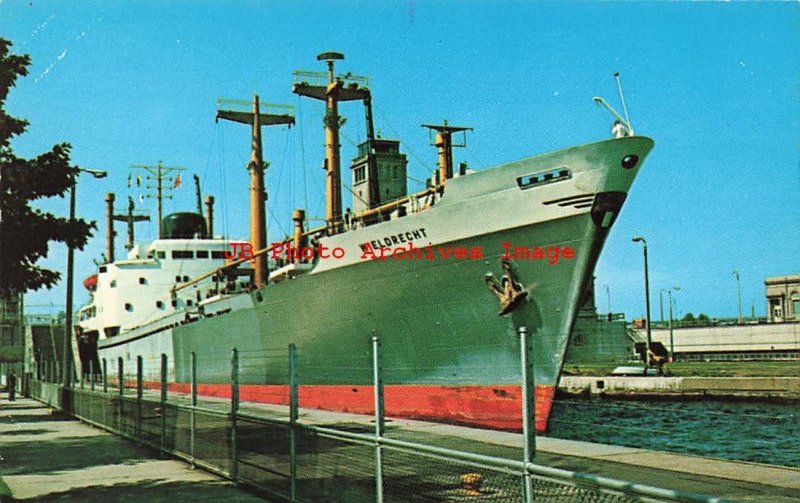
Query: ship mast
(130, 218)
(444, 142)
(159, 174)
(256, 166)
(332, 92)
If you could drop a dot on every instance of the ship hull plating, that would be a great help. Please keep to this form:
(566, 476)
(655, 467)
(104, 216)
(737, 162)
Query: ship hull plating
(446, 353)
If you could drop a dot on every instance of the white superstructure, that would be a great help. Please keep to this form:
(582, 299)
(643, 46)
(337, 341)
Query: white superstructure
(138, 290)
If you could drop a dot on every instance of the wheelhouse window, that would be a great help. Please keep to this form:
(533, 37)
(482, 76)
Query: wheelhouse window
(202, 254)
(181, 254)
(218, 254)
(543, 177)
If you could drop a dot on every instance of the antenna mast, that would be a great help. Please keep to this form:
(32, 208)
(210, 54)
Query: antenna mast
(258, 195)
(332, 89)
(444, 142)
(622, 98)
(159, 174)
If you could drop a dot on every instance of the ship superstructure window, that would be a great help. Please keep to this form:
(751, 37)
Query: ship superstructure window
(129, 307)
(103, 268)
(160, 304)
(360, 174)
(161, 254)
(202, 254)
(113, 283)
(543, 177)
(188, 302)
(177, 279)
(142, 281)
(218, 254)
(182, 254)
(185, 279)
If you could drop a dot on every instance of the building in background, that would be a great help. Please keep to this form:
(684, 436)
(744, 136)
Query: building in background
(783, 298)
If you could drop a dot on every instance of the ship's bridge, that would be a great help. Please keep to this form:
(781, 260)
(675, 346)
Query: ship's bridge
(132, 292)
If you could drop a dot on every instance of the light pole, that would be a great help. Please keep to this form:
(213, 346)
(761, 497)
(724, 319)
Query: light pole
(661, 304)
(608, 296)
(671, 339)
(637, 239)
(66, 367)
(739, 290)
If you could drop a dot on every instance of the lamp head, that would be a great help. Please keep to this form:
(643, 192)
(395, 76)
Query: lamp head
(637, 239)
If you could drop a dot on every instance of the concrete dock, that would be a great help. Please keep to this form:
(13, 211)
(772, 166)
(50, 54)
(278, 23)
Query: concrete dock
(46, 455)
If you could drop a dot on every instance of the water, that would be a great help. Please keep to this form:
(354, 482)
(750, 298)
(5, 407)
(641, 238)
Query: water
(746, 431)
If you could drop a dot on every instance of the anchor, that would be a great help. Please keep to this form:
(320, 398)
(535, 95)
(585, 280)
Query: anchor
(509, 292)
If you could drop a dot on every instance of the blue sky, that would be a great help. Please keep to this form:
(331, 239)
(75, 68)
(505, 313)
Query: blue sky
(714, 84)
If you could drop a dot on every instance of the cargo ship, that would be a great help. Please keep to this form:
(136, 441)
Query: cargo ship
(444, 277)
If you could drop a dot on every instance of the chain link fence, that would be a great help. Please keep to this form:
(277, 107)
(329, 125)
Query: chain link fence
(286, 458)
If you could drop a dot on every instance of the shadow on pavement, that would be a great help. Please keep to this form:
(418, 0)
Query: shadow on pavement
(72, 453)
(157, 490)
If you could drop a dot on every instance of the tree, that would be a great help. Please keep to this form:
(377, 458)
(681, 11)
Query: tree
(24, 231)
(688, 317)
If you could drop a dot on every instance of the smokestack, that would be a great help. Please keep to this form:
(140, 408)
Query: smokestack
(110, 224)
(210, 216)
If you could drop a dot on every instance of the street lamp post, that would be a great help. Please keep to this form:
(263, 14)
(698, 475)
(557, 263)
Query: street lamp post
(637, 239)
(66, 367)
(739, 290)
(661, 306)
(671, 339)
(608, 296)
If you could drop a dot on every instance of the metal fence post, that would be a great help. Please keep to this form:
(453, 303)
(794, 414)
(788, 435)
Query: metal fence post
(163, 403)
(234, 411)
(139, 393)
(121, 386)
(192, 419)
(378, 380)
(528, 408)
(91, 374)
(105, 376)
(293, 415)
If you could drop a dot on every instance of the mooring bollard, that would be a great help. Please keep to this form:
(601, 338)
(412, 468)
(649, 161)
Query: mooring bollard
(379, 417)
(528, 408)
(234, 412)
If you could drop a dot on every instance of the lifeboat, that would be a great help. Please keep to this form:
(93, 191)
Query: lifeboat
(91, 283)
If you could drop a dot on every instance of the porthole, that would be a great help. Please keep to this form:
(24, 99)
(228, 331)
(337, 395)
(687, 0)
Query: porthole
(630, 161)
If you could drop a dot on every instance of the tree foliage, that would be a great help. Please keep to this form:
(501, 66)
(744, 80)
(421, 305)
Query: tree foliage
(25, 232)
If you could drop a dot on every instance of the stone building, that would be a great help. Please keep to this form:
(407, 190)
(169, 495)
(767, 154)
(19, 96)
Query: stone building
(783, 298)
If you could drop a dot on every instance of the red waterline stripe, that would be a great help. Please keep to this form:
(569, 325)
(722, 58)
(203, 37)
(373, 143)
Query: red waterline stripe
(497, 407)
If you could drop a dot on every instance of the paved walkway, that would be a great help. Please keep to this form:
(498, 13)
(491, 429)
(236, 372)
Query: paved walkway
(47, 456)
